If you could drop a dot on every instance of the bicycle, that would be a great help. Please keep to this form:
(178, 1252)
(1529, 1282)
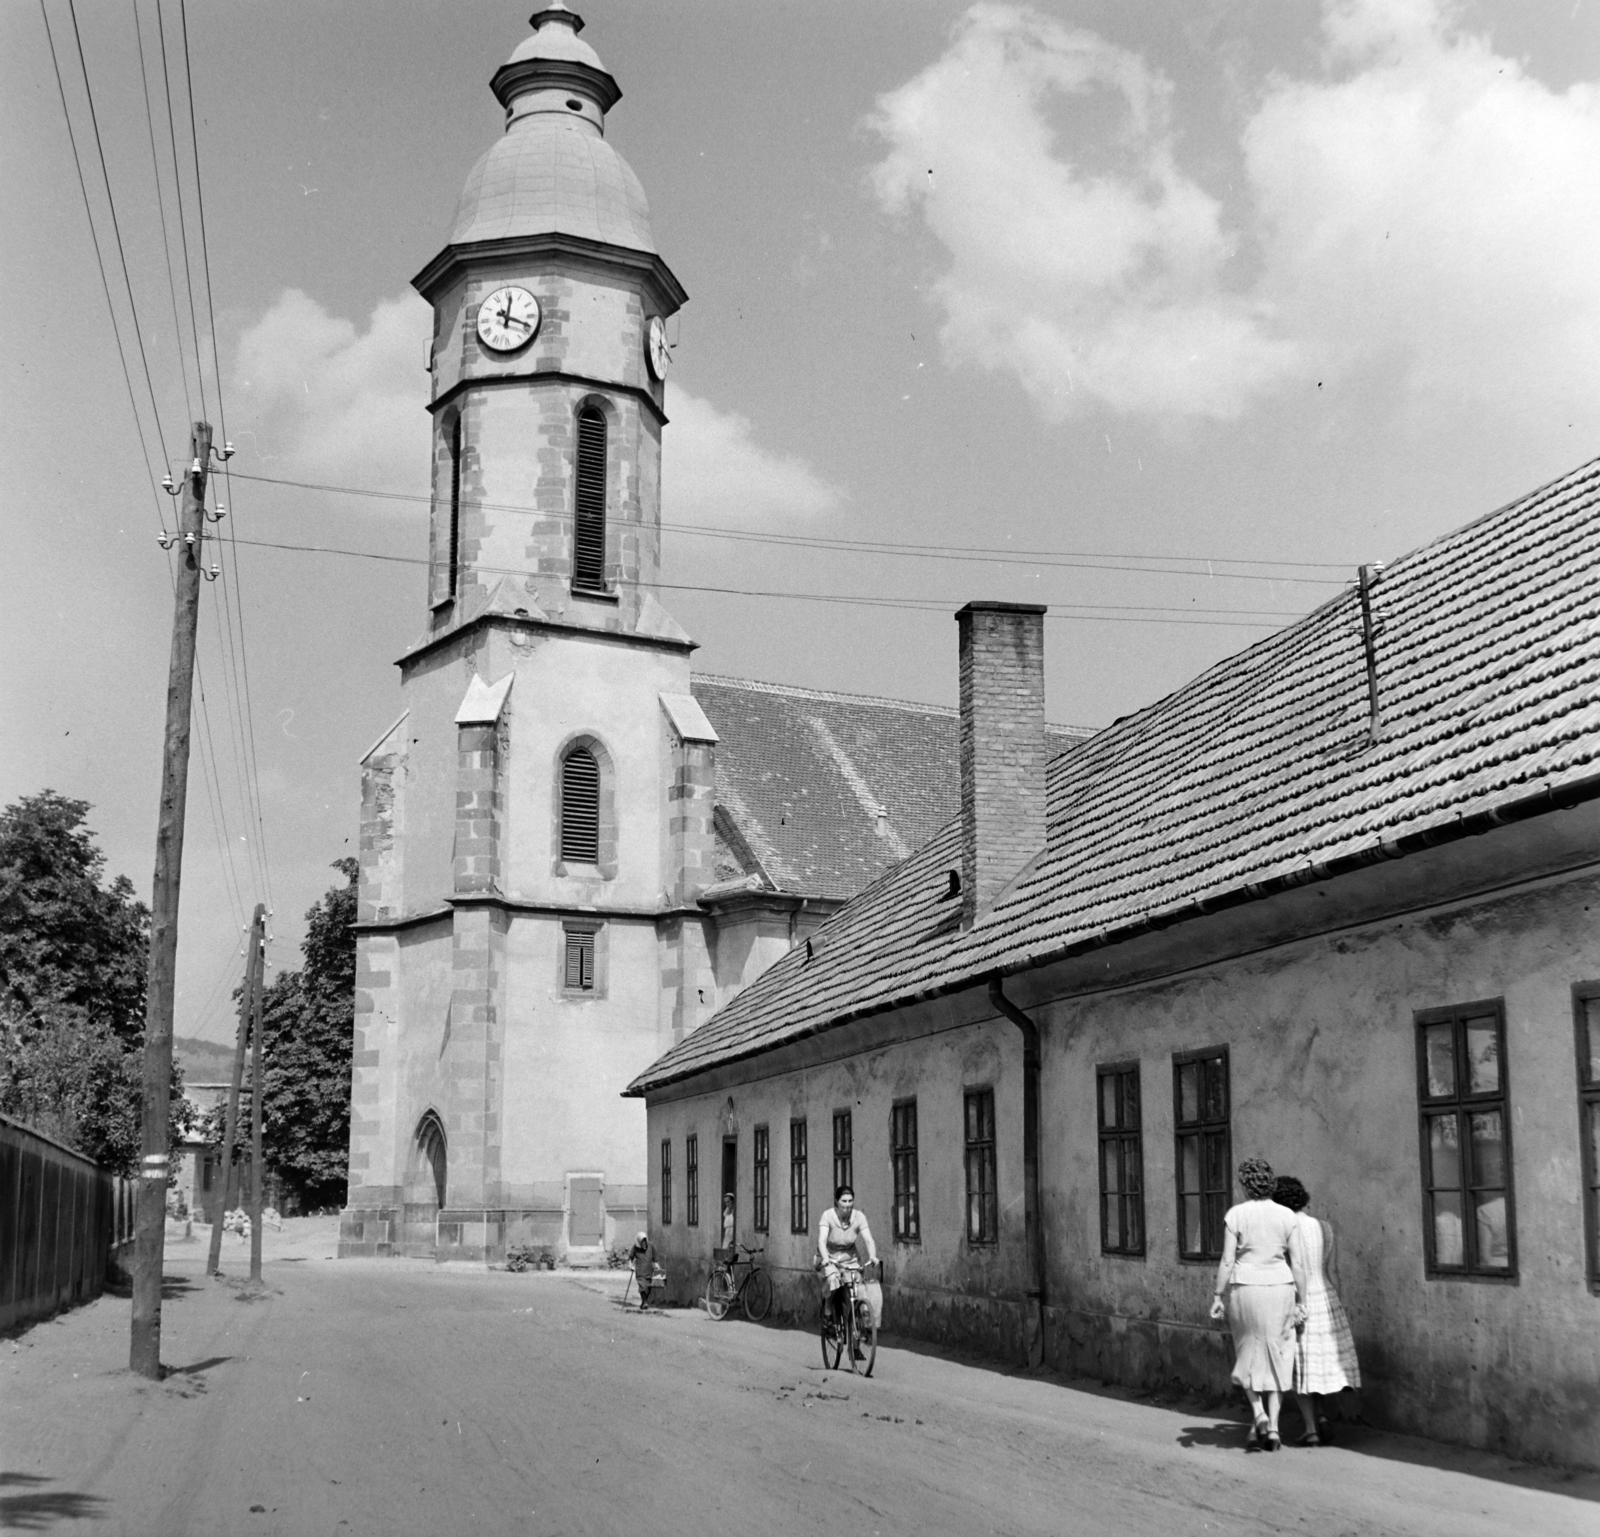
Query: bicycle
(752, 1290)
(849, 1332)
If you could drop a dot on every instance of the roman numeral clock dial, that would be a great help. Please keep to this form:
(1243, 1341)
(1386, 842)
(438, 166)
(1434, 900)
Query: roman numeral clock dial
(508, 319)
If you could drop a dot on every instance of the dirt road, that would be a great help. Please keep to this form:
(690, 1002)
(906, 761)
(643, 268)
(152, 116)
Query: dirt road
(397, 1397)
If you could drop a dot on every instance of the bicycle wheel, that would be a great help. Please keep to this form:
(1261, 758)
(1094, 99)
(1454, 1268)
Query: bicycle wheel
(832, 1340)
(757, 1296)
(719, 1293)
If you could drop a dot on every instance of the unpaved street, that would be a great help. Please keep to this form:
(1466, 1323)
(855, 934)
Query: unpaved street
(397, 1397)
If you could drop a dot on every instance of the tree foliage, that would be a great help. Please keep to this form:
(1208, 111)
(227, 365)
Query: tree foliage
(307, 1030)
(73, 956)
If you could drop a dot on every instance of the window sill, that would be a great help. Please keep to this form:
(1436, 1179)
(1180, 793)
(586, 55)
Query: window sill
(442, 604)
(1472, 1277)
(596, 594)
(1124, 1254)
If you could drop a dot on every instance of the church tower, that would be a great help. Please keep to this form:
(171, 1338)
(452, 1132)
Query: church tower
(537, 825)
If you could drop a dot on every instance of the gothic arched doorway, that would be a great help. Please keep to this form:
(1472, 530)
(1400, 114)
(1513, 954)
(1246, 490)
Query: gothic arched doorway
(426, 1184)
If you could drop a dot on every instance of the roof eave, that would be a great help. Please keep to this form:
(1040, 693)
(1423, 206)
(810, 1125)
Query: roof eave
(1547, 798)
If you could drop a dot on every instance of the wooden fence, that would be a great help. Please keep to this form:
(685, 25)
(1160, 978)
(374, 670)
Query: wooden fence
(62, 1218)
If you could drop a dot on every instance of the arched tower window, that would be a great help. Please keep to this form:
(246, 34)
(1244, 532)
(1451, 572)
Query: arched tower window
(580, 807)
(453, 573)
(589, 502)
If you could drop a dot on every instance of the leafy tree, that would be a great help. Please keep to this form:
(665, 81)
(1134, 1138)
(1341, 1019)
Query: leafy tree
(73, 954)
(307, 1031)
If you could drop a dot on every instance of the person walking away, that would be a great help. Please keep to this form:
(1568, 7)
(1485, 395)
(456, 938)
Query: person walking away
(842, 1233)
(1261, 1290)
(1325, 1355)
(642, 1256)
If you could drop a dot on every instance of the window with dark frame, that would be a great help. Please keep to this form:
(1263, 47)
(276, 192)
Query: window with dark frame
(761, 1164)
(453, 573)
(666, 1181)
(903, 1164)
(691, 1176)
(844, 1161)
(799, 1179)
(580, 807)
(589, 503)
(1121, 1159)
(1468, 1216)
(1204, 1150)
(983, 1212)
(578, 972)
(1586, 1000)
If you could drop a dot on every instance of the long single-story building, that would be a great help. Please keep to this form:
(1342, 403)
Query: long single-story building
(1336, 902)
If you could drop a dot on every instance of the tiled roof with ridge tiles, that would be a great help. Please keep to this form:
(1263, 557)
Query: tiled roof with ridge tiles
(802, 772)
(1257, 774)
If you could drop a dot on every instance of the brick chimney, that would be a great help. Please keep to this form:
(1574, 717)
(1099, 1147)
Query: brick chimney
(1002, 746)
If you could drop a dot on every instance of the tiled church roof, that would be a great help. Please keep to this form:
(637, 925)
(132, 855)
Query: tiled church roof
(1255, 776)
(826, 790)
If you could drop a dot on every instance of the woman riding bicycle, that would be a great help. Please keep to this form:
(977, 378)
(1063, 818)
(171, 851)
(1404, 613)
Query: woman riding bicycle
(844, 1241)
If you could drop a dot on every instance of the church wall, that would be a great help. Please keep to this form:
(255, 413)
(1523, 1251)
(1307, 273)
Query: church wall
(577, 686)
(590, 1045)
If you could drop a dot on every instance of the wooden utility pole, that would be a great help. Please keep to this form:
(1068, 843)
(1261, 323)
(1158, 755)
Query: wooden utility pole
(257, 1116)
(150, 1227)
(230, 1125)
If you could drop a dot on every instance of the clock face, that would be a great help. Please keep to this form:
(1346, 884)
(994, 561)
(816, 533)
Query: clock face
(655, 347)
(508, 319)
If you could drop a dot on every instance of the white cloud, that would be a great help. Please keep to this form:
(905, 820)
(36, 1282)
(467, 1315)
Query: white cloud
(1423, 212)
(1090, 285)
(318, 399)
(714, 471)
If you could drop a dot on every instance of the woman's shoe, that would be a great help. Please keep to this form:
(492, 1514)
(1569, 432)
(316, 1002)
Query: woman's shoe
(1310, 1438)
(1261, 1431)
(1325, 1432)
(1273, 1441)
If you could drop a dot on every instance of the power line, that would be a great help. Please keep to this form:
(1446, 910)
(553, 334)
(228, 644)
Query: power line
(161, 205)
(183, 228)
(94, 236)
(1129, 612)
(111, 203)
(1090, 560)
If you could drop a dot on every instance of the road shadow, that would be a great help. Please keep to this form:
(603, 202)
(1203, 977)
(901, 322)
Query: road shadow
(38, 1508)
(196, 1369)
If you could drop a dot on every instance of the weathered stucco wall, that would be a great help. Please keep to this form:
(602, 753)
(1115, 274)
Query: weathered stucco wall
(941, 1287)
(1323, 1061)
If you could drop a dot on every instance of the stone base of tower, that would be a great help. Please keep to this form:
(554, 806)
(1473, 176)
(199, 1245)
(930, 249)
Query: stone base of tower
(484, 1235)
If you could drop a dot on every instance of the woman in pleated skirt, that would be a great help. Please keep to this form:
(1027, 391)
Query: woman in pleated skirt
(1325, 1354)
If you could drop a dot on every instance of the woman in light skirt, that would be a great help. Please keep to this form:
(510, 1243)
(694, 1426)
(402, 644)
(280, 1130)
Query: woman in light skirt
(1325, 1357)
(1261, 1290)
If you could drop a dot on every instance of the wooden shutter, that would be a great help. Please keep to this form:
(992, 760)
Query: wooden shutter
(580, 959)
(580, 807)
(589, 520)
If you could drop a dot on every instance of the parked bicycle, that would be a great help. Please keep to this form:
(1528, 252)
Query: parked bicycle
(848, 1332)
(738, 1280)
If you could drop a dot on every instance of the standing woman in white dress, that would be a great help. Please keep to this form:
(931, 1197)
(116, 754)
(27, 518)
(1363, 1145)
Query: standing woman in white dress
(1325, 1356)
(1261, 1285)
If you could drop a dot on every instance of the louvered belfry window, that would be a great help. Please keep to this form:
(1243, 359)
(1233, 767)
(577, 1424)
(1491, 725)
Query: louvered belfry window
(589, 510)
(580, 807)
(454, 573)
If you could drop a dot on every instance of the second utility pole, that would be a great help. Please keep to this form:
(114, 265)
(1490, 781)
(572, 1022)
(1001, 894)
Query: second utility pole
(150, 1224)
(230, 1125)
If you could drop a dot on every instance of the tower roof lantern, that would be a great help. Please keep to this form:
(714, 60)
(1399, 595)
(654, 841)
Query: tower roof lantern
(555, 60)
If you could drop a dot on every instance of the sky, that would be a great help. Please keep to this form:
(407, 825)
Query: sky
(1178, 310)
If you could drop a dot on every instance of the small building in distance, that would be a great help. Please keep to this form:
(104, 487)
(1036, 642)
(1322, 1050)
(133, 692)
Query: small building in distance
(1336, 902)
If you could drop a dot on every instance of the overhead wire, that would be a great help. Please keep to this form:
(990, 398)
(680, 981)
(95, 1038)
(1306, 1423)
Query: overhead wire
(105, 284)
(1129, 612)
(1092, 560)
(183, 227)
